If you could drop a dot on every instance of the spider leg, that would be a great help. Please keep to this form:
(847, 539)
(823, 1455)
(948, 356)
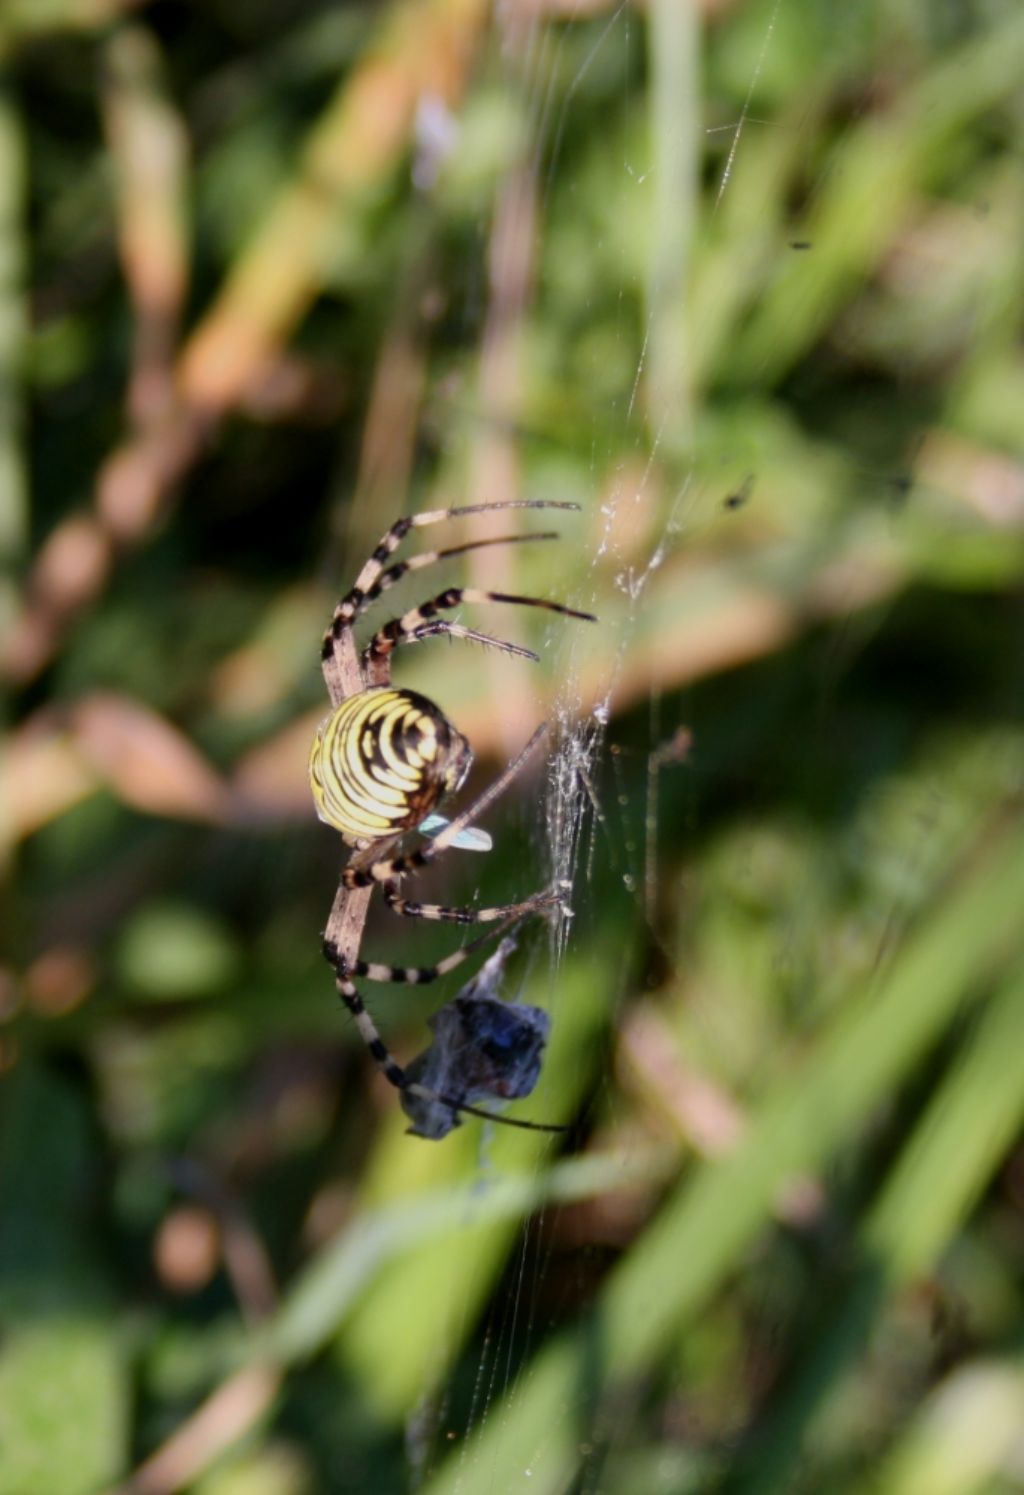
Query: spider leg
(393, 1071)
(410, 625)
(370, 582)
(392, 574)
(371, 970)
(364, 874)
(409, 909)
(378, 670)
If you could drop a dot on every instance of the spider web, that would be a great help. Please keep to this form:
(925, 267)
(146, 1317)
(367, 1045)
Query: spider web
(589, 826)
(688, 159)
(738, 282)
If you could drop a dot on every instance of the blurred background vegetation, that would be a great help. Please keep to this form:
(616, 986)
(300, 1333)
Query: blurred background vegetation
(744, 280)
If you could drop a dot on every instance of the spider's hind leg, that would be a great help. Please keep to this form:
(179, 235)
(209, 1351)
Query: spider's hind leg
(393, 1071)
(371, 970)
(349, 994)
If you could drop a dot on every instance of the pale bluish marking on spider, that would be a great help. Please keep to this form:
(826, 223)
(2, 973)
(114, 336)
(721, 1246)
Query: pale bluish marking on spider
(470, 839)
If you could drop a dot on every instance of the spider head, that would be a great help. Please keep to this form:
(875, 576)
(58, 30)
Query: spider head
(429, 747)
(447, 758)
(458, 761)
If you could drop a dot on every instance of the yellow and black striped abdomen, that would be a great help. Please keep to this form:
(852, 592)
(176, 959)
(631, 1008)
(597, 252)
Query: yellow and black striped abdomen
(381, 761)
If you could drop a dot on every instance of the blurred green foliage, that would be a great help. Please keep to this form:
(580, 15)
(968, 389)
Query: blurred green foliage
(743, 281)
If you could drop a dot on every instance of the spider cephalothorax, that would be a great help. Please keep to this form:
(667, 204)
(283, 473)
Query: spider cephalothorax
(384, 758)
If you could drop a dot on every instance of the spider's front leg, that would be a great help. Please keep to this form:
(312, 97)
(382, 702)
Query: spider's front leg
(422, 622)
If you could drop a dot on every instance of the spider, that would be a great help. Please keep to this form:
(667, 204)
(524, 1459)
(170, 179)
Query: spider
(385, 757)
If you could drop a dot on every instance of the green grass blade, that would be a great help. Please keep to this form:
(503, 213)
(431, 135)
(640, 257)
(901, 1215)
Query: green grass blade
(706, 1225)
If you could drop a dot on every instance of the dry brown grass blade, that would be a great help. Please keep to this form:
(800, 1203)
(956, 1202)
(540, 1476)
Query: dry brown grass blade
(76, 560)
(423, 51)
(496, 463)
(44, 776)
(230, 1412)
(107, 741)
(700, 1108)
(148, 149)
(145, 761)
(272, 780)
